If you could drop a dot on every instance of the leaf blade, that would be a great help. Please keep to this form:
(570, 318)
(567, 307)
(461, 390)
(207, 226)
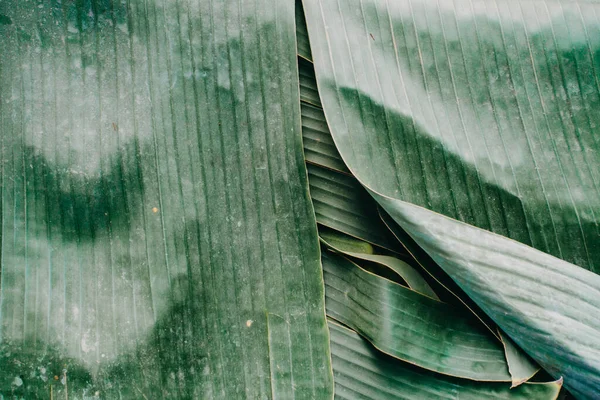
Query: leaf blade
(157, 215)
(556, 323)
(361, 371)
(422, 116)
(430, 130)
(520, 366)
(413, 279)
(410, 326)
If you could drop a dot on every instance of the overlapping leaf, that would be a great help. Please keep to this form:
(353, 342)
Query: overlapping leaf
(360, 372)
(319, 151)
(547, 306)
(362, 251)
(521, 367)
(482, 111)
(342, 204)
(410, 326)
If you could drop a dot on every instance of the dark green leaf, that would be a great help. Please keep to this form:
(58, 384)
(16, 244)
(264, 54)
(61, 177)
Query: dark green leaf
(520, 366)
(362, 372)
(308, 85)
(484, 112)
(319, 148)
(410, 326)
(341, 203)
(445, 287)
(301, 33)
(549, 307)
(157, 234)
(363, 251)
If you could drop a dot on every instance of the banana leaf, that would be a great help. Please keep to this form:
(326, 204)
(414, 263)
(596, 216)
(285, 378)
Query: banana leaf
(342, 204)
(521, 367)
(319, 148)
(158, 239)
(302, 33)
(362, 372)
(410, 326)
(364, 252)
(473, 124)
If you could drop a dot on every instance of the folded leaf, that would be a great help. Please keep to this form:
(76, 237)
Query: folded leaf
(361, 372)
(309, 92)
(357, 249)
(520, 366)
(481, 111)
(446, 287)
(342, 243)
(410, 326)
(341, 203)
(302, 33)
(319, 148)
(550, 308)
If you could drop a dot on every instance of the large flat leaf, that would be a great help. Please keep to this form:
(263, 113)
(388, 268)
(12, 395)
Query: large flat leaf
(157, 235)
(481, 111)
(484, 111)
(362, 372)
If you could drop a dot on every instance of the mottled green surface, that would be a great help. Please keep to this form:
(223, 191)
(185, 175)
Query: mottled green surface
(157, 235)
(410, 326)
(484, 112)
(362, 372)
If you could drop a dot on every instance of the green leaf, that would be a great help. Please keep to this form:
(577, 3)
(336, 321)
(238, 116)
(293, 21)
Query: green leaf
(301, 33)
(157, 235)
(520, 366)
(362, 372)
(341, 203)
(483, 112)
(354, 216)
(410, 326)
(345, 244)
(319, 148)
(359, 250)
(309, 92)
(550, 308)
(448, 289)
